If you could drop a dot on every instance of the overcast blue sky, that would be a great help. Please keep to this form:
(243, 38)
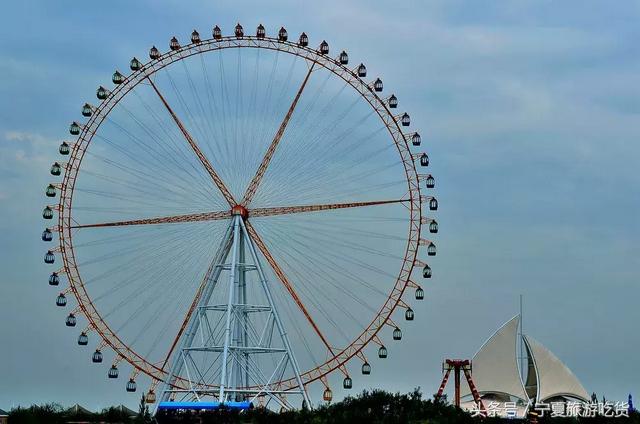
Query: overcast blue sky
(530, 111)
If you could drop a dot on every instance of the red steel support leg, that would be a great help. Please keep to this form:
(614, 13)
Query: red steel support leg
(443, 384)
(458, 365)
(456, 371)
(474, 391)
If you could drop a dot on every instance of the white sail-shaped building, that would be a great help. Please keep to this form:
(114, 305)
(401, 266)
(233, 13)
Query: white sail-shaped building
(551, 378)
(496, 373)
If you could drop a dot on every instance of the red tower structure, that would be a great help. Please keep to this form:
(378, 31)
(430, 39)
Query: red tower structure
(458, 365)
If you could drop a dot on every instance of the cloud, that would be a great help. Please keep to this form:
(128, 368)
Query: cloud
(23, 156)
(32, 149)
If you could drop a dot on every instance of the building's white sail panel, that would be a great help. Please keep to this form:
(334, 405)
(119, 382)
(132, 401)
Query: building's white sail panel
(553, 377)
(495, 365)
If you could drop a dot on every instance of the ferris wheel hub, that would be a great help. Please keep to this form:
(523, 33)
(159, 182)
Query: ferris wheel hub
(240, 210)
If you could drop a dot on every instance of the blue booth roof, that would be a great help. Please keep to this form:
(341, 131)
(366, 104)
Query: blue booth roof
(203, 405)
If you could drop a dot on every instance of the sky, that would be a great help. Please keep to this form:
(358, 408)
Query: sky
(530, 113)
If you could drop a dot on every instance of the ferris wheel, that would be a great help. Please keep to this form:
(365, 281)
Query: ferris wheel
(239, 218)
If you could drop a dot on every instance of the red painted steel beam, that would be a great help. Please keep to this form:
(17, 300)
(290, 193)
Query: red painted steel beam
(192, 217)
(188, 315)
(456, 382)
(443, 384)
(287, 284)
(203, 159)
(257, 178)
(458, 365)
(286, 210)
(474, 391)
(217, 215)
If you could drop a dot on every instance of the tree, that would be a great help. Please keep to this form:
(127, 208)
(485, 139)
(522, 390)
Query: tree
(143, 417)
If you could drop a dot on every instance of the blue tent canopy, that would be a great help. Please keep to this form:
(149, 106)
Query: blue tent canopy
(197, 406)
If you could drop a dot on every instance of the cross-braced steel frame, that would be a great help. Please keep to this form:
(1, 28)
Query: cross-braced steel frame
(232, 350)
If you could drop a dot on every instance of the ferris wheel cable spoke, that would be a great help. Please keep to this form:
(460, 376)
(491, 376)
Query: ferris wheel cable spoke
(110, 240)
(120, 253)
(304, 117)
(255, 182)
(205, 162)
(277, 107)
(138, 264)
(229, 119)
(238, 116)
(127, 169)
(251, 150)
(346, 220)
(137, 199)
(329, 127)
(312, 131)
(330, 171)
(141, 186)
(224, 101)
(319, 185)
(151, 282)
(173, 296)
(193, 122)
(331, 265)
(349, 230)
(288, 210)
(132, 259)
(190, 311)
(185, 106)
(195, 94)
(151, 133)
(150, 151)
(298, 171)
(137, 171)
(211, 134)
(283, 279)
(212, 108)
(341, 226)
(296, 271)
(335, 156)
(134, 275)
(335, 231)
(172, 219)
(355, 262)
(238, 104)
(322, 275)
(357, 145)
(169, 134)
(351, 245)
(288, 310)
(348, 184)
(253, 100)
(264, 110)
(133, 319)
(312, 298)
(160, 303)
(319, 139)
(133, 199)
(146, 147)
(171, 317)
(172, 139)
(215, 110)
(353, 191)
